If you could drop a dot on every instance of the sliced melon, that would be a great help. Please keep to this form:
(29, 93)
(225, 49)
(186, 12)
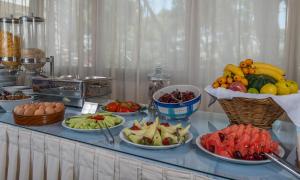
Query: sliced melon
(151, 129)
(183, 132)
(135, 138)
(157, 139)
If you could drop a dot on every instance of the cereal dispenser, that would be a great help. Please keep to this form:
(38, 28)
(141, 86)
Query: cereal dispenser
(33, 47)
(10, 43)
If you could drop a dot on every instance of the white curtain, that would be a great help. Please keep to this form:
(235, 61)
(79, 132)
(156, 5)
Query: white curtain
(293, 39)
(16, 8)
(191, 39)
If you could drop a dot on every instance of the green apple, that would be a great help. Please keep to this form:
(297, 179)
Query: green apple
(293, 86)
(282, 88)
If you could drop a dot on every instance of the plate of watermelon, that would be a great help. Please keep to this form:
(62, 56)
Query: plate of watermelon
(243, 144)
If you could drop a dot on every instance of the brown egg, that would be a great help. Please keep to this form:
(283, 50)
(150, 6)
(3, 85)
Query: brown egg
(19, 110)
(61, 105)
(42, 107)
(16, 108)
(47, 104)
(58, 109)
(22, 105)
(26, 106)
(49, 110)
(39, 112)
(29, 112)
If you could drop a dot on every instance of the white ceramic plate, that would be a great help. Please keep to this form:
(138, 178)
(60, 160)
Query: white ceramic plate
(92, 130)
(124, 138)
(13, 89)
(238, 161)
(143, 108)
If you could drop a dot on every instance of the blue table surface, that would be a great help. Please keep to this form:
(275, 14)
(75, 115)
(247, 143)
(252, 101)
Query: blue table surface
(188, 156)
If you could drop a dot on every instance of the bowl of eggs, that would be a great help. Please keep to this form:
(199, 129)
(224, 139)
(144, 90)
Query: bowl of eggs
(40, 113)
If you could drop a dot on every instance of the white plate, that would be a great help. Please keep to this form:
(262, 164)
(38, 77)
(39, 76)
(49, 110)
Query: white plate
(92, 130)
(154, 147)
(13, 89)
(143, 106)
(238, 161)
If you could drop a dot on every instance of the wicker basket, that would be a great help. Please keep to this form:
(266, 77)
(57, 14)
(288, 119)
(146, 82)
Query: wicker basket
(39, 120)
(258, 112)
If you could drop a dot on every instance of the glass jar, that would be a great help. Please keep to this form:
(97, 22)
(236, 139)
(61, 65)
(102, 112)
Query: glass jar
(10, 42)
(32, 30)
(157, 80)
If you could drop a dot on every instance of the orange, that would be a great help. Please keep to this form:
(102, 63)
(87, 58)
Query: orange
(251, 71)
(245, 70)
(225, 86)
(221, 80)
(249, 62)
(229, 80)
(243, 64)
(237, 78)
(216, 85)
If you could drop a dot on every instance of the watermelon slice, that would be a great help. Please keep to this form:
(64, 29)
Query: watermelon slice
(240, 142)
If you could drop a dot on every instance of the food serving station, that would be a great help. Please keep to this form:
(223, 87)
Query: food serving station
(67, 127)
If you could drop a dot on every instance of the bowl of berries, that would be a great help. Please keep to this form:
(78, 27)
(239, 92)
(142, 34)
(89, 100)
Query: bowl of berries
(177, 101)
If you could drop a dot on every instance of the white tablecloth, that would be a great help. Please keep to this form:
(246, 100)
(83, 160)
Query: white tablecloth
(25, 155)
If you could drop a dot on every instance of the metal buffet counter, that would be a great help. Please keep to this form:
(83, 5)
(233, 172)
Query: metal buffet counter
(52, 151)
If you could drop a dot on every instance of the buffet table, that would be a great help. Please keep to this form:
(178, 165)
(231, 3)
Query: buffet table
(51, 151)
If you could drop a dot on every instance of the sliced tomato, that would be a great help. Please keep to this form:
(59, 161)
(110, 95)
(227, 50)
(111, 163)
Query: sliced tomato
(97, 117)
(123, 109)
(112, 107)
(134, 127)
(165, 124)
(166, 141)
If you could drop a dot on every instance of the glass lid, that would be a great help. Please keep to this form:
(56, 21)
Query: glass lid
(10, 19)
(31, 19)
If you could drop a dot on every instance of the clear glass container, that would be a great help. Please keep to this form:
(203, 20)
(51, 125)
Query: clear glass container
(32, 30)
(10, 42)
(157, 80)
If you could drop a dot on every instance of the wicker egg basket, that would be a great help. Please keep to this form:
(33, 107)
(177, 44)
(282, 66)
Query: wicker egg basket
(38, 120)
(258, 112)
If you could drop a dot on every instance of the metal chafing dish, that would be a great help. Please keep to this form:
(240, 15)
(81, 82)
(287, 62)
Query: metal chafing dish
(73, 91)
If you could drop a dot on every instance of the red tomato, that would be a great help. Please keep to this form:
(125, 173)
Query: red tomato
(97, 117)
(123, 109)
(165, 124)
(166, 141)
(112, 107)
(135, 128)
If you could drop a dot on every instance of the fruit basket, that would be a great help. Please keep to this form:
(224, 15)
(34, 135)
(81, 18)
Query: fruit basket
(258, 112)
(254, 93)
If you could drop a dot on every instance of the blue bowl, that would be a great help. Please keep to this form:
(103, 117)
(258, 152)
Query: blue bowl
(177, 110)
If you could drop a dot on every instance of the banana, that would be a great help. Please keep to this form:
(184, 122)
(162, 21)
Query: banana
(234, 69)
(227, 74)
(269, 72)
(263, 65)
